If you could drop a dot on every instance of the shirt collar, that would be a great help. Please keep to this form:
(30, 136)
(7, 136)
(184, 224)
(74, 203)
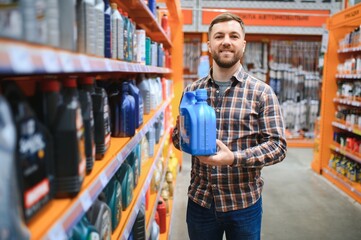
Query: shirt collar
(240, 75)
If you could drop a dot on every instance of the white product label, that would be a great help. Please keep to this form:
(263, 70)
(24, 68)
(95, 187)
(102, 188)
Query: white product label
(86, 201)
(20, 59)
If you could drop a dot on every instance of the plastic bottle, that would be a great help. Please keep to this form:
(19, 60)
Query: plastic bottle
(162, 211)
(197, 124)
(107, 30)
(68, 132)
(86, 104)
(115, 35)
(99, 215)
(144, 88)
(134, 162)
(83, 230)
(67, 25)
(148, 52)
(101, 116)
(35, 164)
(86, 20)
(12, 224)
(139, 108)
(126, 179)
(100, 28)
(126, 36)
(115, 101)
(113, 198)
(120, 35)
(128, 122)
(138, 230)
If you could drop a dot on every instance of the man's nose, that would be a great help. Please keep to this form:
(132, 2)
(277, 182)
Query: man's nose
(226, 40)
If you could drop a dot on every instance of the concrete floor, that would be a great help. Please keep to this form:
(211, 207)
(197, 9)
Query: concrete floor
(298, 204)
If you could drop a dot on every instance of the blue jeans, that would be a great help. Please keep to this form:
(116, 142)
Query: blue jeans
(208, 224)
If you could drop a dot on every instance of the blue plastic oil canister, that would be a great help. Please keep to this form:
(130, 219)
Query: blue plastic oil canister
(113, 198)
(197, 124)
(126, 179)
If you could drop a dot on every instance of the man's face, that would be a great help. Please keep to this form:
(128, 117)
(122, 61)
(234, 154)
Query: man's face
(226, 43)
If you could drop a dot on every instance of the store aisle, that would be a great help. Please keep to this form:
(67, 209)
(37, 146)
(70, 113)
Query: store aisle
(298, 204)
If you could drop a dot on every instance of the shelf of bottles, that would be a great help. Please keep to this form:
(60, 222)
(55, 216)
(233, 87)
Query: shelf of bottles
(344, 163)
(65, 213)
(125, 227)
(24, 58)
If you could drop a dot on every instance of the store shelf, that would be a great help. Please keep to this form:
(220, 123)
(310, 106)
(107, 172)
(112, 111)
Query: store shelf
(340, 26)
(349, 50)
(301, 143)
(128, 217)
(344, 151)
(140, 13)
(60, 215)
(348, 76)
(348, 101)
(154, 197)
(354, 189)
(19, 58)
(350, 128)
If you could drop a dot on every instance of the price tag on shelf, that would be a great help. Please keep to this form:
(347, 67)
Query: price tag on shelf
(103, 179)
(66, 62)
(108, 65)
(86, 201)
(57, 233)
(85, 63)
(50, 61)
(20, 59)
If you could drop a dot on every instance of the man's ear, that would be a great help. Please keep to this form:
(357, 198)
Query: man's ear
(209, 47)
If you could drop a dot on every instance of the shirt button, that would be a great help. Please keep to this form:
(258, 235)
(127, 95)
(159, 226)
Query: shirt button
(217, 109)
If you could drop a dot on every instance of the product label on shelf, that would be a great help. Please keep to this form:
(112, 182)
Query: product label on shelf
(20, 59)
(50, 61)
(86, 201)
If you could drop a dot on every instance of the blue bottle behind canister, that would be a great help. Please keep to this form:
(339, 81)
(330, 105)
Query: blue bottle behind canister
(139, 109)
(197, 124)
(128, 122)
(107, 30)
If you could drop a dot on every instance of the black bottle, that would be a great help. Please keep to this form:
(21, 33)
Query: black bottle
(35, 166)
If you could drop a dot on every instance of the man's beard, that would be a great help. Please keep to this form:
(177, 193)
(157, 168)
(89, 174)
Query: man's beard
(226, 63)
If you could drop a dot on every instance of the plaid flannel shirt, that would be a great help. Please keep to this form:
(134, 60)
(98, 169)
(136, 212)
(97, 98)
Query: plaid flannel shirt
(250, 123)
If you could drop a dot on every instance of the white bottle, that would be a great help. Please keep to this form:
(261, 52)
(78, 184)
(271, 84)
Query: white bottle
(115, 19)
(99, 26)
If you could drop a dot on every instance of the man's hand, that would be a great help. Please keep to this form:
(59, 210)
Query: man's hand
(223, 157)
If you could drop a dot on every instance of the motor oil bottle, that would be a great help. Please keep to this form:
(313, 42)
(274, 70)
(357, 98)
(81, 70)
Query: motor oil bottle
(68, 132)
(86, 104)
(115, 101)
(197, 124)
(100, 115)
(134, 162)
(126, 179)
(144, 87)
(99, 215)
(33, 153)
(12, 224)
(139, 108)
(113, 198)
(83, 230)
(107, 30)
(138, 230)
(127, 113)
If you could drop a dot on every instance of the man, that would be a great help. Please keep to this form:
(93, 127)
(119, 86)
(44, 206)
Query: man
(225, 188)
